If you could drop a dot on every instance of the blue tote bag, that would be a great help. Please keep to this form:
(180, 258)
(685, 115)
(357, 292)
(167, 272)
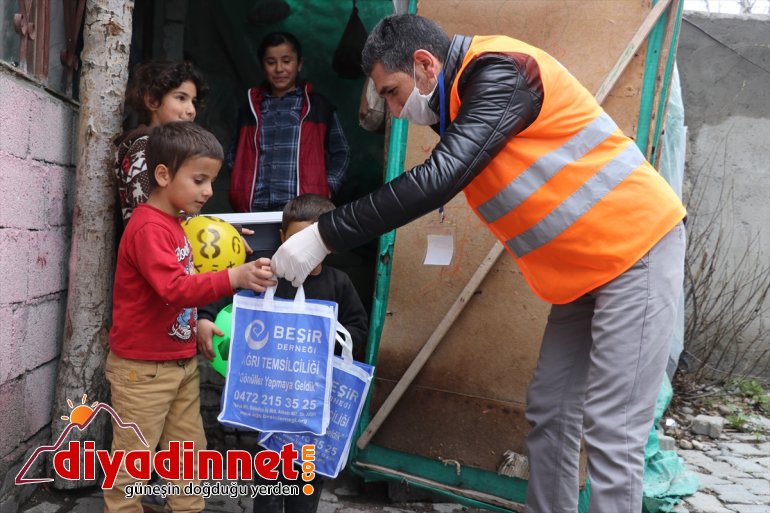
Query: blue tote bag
(279, 370)
(350, 386)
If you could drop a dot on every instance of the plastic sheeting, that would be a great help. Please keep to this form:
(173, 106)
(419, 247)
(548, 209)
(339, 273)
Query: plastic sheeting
(672, 154)
(671, 167)
(666, 479)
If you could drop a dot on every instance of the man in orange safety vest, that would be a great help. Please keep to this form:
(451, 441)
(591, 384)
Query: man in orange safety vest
(595, 230)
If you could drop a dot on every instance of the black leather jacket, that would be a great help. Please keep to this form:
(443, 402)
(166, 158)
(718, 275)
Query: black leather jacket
(501, 96)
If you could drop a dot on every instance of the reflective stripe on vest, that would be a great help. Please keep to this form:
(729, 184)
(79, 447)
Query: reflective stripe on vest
(578, 203)
(528, 182)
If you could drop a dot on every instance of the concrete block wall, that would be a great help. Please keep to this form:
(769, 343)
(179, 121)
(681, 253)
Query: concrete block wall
(724, 65)
(37, 173)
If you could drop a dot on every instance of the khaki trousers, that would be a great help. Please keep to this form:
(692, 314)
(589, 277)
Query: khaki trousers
(163, 399)
(600, 370)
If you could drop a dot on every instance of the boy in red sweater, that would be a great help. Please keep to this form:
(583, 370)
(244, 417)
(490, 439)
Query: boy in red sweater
(151, 367)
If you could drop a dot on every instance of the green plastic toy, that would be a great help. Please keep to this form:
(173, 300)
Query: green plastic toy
(222, 344)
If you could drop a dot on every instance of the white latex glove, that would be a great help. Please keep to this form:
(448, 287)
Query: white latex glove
(300, 254)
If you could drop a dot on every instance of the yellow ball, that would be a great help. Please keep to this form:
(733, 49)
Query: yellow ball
(215, 243)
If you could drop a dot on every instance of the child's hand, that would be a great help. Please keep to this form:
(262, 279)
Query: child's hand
(245, 231)
(256, 275)
(206, 332)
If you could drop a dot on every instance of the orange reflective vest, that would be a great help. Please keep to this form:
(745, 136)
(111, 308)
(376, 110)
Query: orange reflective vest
(571, 198)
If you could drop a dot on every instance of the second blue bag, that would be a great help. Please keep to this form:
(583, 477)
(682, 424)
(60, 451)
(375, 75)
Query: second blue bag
(279, 371)
(351, 386)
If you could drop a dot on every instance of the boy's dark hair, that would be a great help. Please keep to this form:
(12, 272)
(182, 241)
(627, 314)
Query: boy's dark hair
(174, 143)
(155, 79)
(307, 207)
(276, 39)
(395, 38)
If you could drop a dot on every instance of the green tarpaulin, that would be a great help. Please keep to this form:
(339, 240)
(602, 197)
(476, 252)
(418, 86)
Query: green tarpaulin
(666, 479)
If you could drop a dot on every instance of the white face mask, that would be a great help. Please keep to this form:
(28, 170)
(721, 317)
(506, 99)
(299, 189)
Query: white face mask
(416, 108)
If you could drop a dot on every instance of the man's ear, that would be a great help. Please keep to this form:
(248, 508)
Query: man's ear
(162, 175)
(283, 235)
(427, 62)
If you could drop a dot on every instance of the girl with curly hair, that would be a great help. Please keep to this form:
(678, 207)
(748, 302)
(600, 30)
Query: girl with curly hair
(159, 93)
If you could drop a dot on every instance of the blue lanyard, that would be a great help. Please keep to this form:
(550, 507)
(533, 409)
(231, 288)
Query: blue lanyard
(441, 125)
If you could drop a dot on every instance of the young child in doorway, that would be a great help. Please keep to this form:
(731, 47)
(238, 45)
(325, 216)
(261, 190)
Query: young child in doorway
(159, 92)
(152, 367)
(326, 283)
(323, 283)
(290, 140)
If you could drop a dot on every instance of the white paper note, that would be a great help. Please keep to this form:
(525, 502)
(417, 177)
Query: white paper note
(440, 250)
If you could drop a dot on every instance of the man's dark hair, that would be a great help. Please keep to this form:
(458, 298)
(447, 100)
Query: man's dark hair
(155, 79)
(305, 208)
(277, 39)
(174, 143)
(395, 38)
